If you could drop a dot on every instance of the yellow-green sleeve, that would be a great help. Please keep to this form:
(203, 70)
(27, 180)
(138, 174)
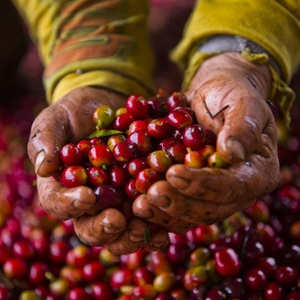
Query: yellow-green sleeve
(91, 43)
(274, 25)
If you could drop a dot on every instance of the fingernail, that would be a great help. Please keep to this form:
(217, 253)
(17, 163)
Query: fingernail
(110, 230)
(39, 160)
(162, 201)
(236, 148)
(135, 237)
(82, 205)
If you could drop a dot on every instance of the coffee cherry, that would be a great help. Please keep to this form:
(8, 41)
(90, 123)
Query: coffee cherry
(131, 190)
(115, 139)
(93, 271)
(194, 159)
(142, 276)
(210, 137)
(28, 295)
(256, 279)
(145, 179)
(120, 277)
(157, 106)
(206, 151)
(102, 290)
(194, 137)
(177, 152)
(15, 268)
(166, 143)
(179, 119)
(164, 281)
(107, 197)
(124, 151)
(73, 176)
(159, 161)
(194, 277)
(84, 146)
(137, 106)
(118, 176)
(120, 111)
(23, 249)
(146, 291)
(138, 125)
(274, 291)
(123, 121)
(71, 155)
(216, 161)
(58, 251)
(227, 262)
(141, 140)
(286, 275)
(77, 293)
(103, 116)
(97, 141)
(159, 128)
(177, 99)
(188, 110)
(214, 294)
(101, 156)
(97, 176)
(136, 165)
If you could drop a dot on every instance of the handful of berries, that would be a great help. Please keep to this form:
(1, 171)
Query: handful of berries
(133, 147)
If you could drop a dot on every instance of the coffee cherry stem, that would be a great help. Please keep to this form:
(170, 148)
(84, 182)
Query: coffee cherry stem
(99, 125)
(49, 275)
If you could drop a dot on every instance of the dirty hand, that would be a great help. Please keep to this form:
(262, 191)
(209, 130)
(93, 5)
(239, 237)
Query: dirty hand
(229, 96)
(68, 121)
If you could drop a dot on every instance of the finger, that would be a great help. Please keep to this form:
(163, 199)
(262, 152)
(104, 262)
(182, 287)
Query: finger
(64, 203)
(223, 186)
(134, 238)
(67, 120)
(98, 230)
(243, 125)
(192, 210)
(131, 240)
(158, 241)
(143, 209)
(49, 132)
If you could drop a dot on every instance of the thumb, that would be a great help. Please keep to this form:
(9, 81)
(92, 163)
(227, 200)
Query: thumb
(48, 134)
(243, 127)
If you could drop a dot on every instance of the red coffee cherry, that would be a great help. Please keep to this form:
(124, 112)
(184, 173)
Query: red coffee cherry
(73, 176)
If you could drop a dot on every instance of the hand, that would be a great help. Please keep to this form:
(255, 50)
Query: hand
(66, 121)
(233, 104)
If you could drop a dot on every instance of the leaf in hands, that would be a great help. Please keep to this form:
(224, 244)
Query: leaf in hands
(104, 132)
(147, 235)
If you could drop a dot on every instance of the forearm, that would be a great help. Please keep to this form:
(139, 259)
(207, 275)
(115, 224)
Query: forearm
(91, 43)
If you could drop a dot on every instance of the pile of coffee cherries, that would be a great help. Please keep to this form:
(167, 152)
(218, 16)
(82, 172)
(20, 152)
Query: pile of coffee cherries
(253, 254)
(133, 147)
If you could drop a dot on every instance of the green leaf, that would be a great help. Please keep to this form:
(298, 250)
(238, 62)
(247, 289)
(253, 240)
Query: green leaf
(147, 235)
(104, 132)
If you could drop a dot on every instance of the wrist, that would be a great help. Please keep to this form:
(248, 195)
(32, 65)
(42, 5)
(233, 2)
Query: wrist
(232, 43)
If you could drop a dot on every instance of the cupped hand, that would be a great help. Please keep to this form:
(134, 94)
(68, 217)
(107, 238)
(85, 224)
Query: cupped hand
(68, 121)
(229, 96)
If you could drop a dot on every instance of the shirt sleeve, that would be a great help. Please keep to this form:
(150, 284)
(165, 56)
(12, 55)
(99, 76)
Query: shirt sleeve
(274, 25)
(91, 43)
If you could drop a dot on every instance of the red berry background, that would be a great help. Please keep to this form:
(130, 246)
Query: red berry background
(42, 258)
